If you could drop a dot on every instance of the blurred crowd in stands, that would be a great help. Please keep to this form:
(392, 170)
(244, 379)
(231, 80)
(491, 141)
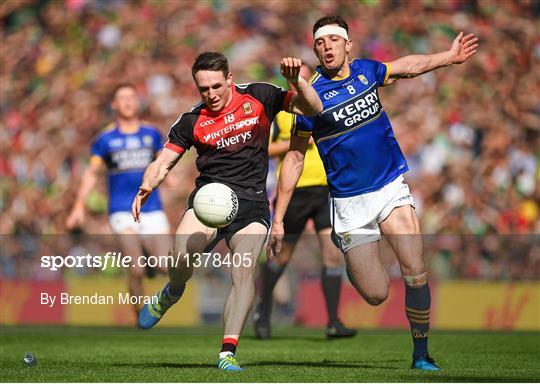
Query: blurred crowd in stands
(470, 132)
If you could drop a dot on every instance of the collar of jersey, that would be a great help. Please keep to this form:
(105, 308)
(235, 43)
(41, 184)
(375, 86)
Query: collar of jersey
(335, 78)
(117, 127)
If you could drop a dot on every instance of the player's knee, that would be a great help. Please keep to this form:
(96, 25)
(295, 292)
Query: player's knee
(416, 268)
(376, 298)
(283, 257)
(333, 260)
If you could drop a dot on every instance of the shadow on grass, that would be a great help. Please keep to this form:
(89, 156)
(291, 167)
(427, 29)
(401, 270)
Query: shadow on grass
(165, 365)
(270, 363)
(311, 339)
(410, 376)
(322, 364)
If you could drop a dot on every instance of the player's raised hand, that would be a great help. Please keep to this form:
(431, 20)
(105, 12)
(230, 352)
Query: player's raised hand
(290, 68)
(141, 197)
(463, 47)
(274, 241)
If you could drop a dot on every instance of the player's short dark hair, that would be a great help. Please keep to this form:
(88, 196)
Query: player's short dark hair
(120, 86)
(210, 61)
(327, 20)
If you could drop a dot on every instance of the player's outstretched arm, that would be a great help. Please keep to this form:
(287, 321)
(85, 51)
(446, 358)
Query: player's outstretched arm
(154, 175)
(88, 182)
(291, 170)
(463, 47)
(306, 101)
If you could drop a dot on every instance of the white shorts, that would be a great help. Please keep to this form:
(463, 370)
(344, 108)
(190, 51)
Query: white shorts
(356, 219)
(154, 222)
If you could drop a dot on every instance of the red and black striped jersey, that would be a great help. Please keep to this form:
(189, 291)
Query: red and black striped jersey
(232, 144)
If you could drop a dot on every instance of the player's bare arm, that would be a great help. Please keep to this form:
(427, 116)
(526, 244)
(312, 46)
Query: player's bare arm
(463, 47)
(88, 181)
(154, 175)
(278, 148)
(291, 170)
(306, 101)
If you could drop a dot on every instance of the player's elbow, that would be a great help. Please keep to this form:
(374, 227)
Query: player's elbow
(296, 159)
(403, 68)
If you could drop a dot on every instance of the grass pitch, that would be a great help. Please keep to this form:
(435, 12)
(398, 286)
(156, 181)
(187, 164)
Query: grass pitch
(293, 355)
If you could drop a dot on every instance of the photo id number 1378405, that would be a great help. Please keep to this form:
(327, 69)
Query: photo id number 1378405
(217, 260)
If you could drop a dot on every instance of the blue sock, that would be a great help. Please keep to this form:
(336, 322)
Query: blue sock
(417, 308)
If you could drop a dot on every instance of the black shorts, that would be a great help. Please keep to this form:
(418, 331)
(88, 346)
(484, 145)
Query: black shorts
(306, 203)
(249, 211)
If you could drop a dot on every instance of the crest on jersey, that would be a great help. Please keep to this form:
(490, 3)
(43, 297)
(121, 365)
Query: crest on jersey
(147, 140)
(247, 108)
(363, 79)
(118, 142)
(133, 143)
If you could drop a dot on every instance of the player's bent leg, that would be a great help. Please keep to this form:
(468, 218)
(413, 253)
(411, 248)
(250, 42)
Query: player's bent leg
(402, 229)
(331, 278)
(271, 273)
(247, 242)
(191, 238)
(366, 272)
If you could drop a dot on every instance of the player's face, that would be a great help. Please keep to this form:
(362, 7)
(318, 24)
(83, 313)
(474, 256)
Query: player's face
(332, 51)
(215, 89)
(126, 103)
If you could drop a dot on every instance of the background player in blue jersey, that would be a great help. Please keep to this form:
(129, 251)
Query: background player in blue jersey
(124, 149)
(364, 167)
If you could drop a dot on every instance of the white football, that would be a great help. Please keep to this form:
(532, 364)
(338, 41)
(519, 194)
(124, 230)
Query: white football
(215, 205)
